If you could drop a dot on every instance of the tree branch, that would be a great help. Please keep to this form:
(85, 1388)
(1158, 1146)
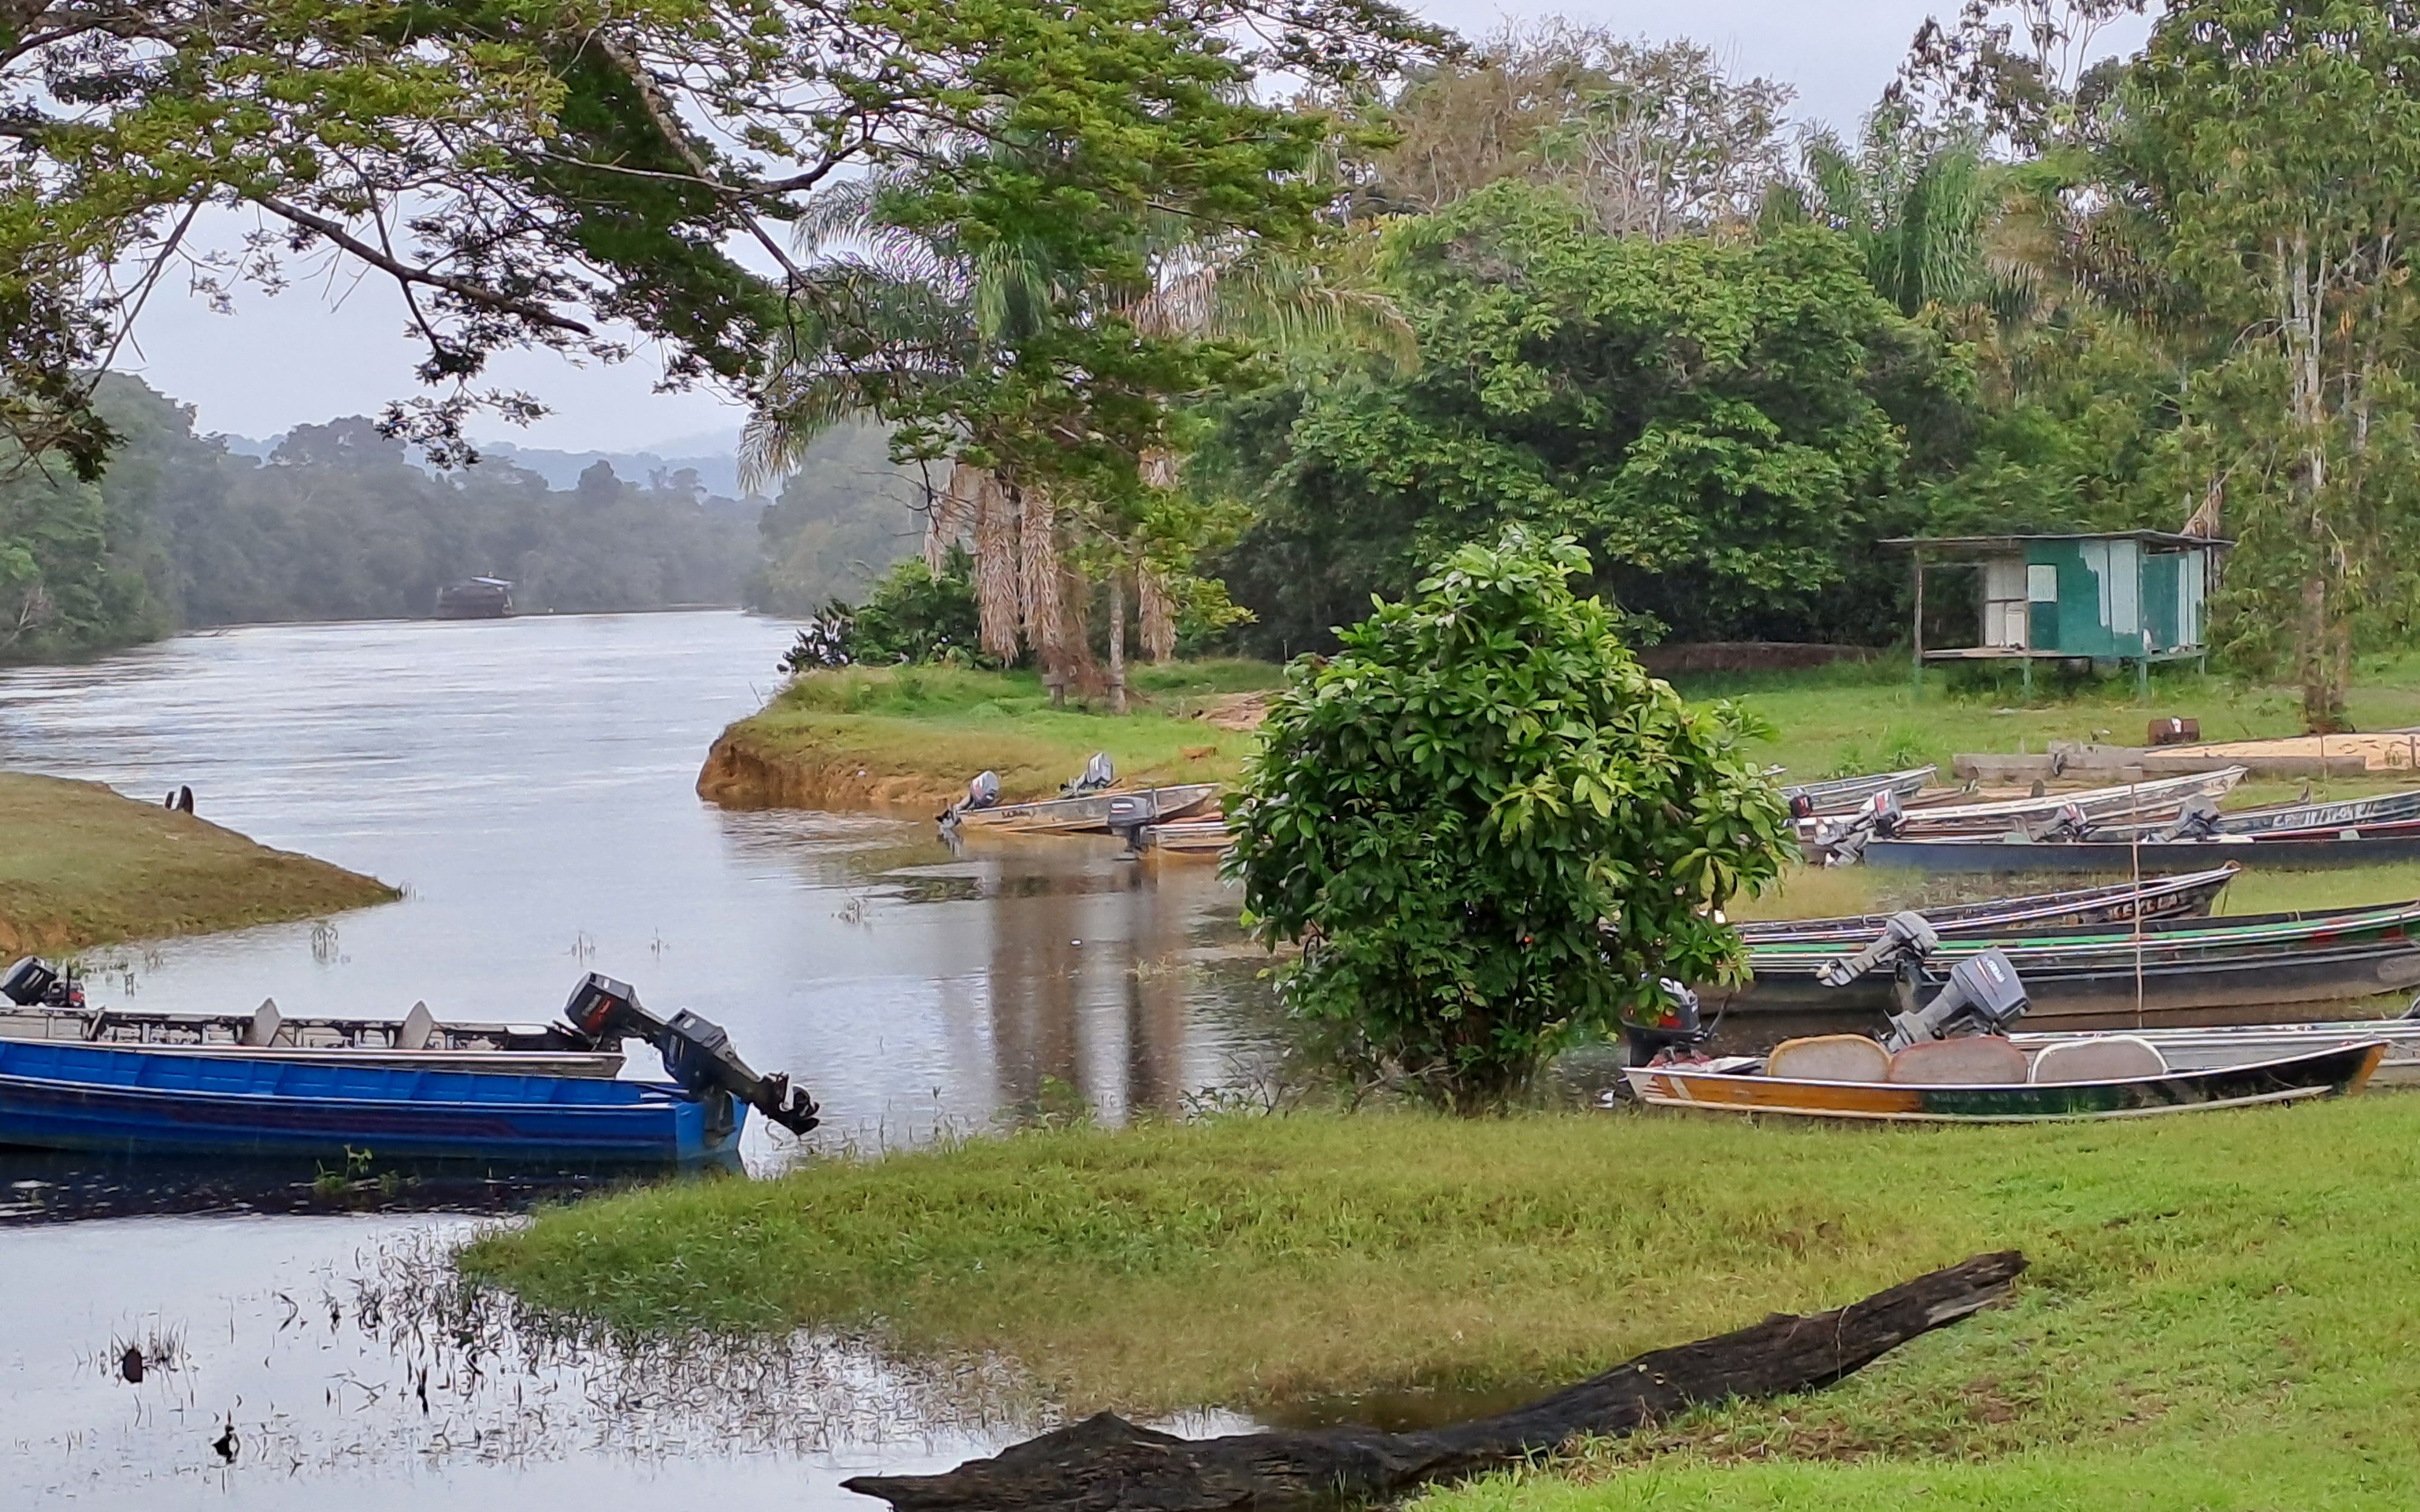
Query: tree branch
(407, 273)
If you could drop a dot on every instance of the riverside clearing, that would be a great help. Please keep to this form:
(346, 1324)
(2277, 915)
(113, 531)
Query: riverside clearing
(81, 865)
(2208, 1291)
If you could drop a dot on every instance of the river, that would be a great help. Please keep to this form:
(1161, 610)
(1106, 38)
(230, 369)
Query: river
(529, 784)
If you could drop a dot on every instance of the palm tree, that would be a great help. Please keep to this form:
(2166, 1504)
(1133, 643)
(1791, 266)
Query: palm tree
(945, 316)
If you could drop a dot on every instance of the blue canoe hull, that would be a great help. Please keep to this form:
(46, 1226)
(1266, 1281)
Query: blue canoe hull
(83, 1097)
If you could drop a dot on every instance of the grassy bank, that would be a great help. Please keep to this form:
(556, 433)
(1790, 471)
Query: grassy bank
(80, 865)
(913, 735)
(2205, 1290)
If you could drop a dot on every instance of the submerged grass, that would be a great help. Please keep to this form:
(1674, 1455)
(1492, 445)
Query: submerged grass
(80, 865)
(2211, 1297)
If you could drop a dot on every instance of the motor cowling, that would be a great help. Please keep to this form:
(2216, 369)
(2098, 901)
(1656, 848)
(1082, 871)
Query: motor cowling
(1680, 1026)
(696, 1051)
(1906, 936)
(33, 982)
(1984, 995)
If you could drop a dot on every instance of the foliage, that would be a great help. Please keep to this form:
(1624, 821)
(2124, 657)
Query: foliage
(1712, 418)
(1654, 139)
(527, 172)
(915, 614)
(2238, 114)
(845, 515)
(1445, 810)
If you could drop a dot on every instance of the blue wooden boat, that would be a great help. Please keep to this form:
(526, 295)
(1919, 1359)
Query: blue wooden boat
(59, 1095)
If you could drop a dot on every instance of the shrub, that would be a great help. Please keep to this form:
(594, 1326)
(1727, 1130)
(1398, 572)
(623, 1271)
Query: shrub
(1444, 812)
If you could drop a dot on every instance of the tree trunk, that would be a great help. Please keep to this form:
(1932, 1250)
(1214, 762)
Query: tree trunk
(1107, 1464)
(1117, 641)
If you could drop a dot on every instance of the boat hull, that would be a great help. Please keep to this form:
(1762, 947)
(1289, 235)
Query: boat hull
(2333, 1071)
(75, 1097)
(2107, 858)
(2187, 896)
(1093, 813)
(1841, 795)
(2211, 1049)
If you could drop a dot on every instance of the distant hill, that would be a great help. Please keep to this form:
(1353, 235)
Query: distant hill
(714, 456)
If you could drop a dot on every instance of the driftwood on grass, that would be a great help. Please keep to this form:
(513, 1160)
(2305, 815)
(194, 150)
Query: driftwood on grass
(1107, 1464)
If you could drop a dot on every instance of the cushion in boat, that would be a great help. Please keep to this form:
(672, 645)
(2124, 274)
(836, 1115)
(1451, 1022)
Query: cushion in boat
(1828, 1058)
(1974, 1060)
(2101, 1058)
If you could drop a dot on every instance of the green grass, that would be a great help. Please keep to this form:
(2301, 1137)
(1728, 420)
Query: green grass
(915, 735)
(1851, 718)
(81, 865)
(2222, 1307)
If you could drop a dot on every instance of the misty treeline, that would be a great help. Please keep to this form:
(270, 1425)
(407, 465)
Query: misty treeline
(1185, 361)
(340, 522)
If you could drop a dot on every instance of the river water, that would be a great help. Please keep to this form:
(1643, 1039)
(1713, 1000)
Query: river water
(529, 784)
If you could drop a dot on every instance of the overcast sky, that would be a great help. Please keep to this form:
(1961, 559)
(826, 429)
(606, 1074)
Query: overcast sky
(317, 351)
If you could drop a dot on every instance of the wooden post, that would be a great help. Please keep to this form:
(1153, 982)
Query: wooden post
(1915, 678)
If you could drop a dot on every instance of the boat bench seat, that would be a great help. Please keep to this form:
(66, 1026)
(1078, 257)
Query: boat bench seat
(1828, 1058)
(2100, 1058)
(1970, 1061)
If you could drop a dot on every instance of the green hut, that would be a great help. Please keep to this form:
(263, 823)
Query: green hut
(2125, 597)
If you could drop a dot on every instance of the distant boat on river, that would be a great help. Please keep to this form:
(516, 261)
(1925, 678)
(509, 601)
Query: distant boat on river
(475, 598)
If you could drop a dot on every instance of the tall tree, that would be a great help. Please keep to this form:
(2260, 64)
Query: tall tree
(2275, 143)
(530, 172)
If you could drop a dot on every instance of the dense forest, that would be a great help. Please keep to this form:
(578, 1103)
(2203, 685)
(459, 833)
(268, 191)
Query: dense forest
(339, 521)
(1164, 393)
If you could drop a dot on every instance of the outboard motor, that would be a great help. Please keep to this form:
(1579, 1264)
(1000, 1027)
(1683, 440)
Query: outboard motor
(2070, 822)
(1984, 996)
(33, 982)
(1681, 1028)
(697, 1053)
(1099, 773)
(1878, 818)
(2196, 820)
(1802, 807)
(1907, 936)
(982, 792)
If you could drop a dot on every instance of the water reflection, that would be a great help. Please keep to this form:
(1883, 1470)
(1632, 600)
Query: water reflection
(531, 783)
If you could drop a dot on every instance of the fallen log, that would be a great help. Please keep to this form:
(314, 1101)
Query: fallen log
(1107, 1464)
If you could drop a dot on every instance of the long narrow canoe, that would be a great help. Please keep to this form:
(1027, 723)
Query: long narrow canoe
(2333, 1072)
(1843, 793)
(2188, 896)
(2175, 971)
(59, 1096)
(2129, 801)
(1091, 813)
(2306, 852)
(419, 1031)
(2296, 818)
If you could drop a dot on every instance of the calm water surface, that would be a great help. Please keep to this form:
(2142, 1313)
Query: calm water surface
(529, 784)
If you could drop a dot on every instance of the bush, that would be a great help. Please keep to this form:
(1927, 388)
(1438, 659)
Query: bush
(1444, 812)
(911, 616)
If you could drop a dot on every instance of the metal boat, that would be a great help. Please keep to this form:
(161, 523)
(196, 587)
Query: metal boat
(2190, 895)
(2305, 851)
(1842, 794)
(2131, 800)
(1097, 813)
(2166, 971)
(56, 1095)
(2333, 1071)
(2211, 1049)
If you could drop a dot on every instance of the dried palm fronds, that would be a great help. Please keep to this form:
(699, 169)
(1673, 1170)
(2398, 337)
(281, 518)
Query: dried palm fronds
(952, 511)
(999, 588)
(1045, 600)
(1156, 613)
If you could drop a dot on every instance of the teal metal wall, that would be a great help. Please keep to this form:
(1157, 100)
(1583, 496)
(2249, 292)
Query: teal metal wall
(2110, 591)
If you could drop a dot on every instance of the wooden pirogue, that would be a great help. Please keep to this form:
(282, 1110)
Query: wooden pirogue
(2333, 1072)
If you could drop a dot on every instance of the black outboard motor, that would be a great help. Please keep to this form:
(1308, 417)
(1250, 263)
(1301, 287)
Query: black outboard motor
(2196, 820)
(1984, 996)
(1878, 818)
(33, 982)
(1906, 936)
(1681, 1028)
(697, 1053)
(1100, 773)
(2070, 822)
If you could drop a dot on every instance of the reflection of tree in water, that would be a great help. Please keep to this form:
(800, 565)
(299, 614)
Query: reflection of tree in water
(1111, 1017)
